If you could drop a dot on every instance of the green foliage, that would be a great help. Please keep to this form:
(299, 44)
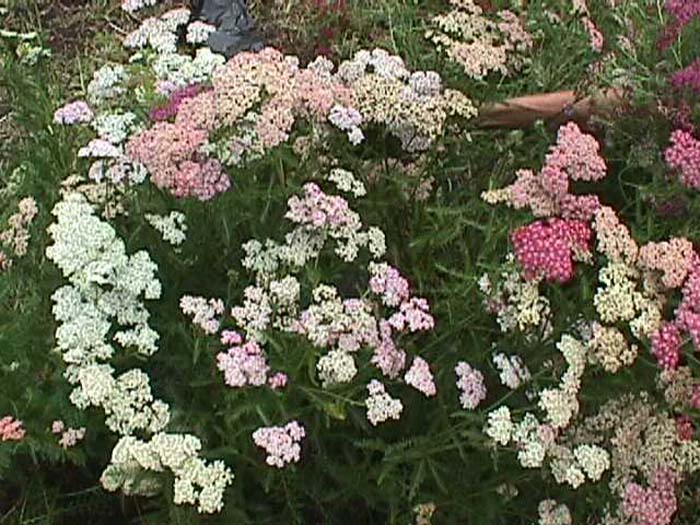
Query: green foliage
(350, 471)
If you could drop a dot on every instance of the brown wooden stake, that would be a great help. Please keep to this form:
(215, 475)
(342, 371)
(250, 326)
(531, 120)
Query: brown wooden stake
(560, 106)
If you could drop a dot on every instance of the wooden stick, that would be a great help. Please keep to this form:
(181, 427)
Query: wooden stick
(522, 112)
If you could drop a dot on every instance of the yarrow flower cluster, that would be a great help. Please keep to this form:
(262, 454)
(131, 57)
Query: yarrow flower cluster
(77, 112)
(683, 156)
(160, 33)
(203, 312)
(175, 100)
(105, 288)
(575, 156)
(172, 227)
(654, 505)
(481, 44)
(553, 513)
(547, 249)
(244, 363)
(470, 383)
(681, 13)
(131, 6)
(516, 301)
(15, 239)
(282, 444)
(687, 78)
(380, 405)
(198, 32)
(69, 436)
(107, 83)
(196, 481)
(11, 429)
(513, 372)
(420, 377)
(261, 96)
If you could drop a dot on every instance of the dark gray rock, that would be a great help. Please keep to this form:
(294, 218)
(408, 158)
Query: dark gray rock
(235, 28)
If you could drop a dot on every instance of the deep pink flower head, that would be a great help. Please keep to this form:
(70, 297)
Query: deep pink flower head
(655, 505)
(681, 13)
(11, 429)
(683, 155)
(547, 248)
(687, 78)
(170, 108)
(685, 428)
(666, 346)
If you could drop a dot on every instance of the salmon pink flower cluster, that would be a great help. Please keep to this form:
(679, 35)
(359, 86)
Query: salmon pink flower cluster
(11, 429)
(575, 156)
(479, 43)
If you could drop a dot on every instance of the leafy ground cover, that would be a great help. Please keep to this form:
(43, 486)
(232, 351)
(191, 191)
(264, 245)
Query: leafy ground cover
(308, 285)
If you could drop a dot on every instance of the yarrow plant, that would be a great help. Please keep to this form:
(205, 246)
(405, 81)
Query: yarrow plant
(479, 43)
(338, 328)
(296, 342)
(636, 282)
(106, 286)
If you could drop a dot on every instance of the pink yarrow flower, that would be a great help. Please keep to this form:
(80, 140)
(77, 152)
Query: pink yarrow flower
(387, 282)
(280, 443)
(470, 382)
(77, 112)
(11, 429)
(654, 505)
(420, 377)
(547, 249)
(413, 315)
(243, 365)
(683, 156)
(666, 346)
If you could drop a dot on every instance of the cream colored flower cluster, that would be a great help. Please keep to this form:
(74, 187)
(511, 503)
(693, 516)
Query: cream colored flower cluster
(481, 44)
(196, 481)
(172, 227)
(642, 438)
(15, 239)
(413, 106)
(516, 301)
(106, 291)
